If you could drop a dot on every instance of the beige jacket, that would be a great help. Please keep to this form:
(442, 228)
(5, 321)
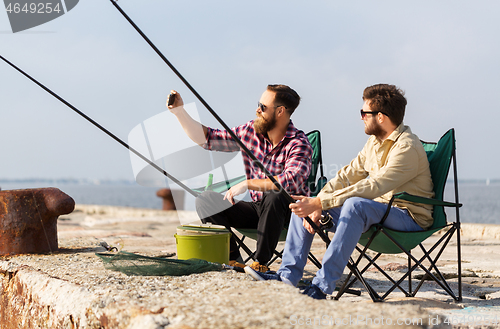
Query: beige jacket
(398, 164)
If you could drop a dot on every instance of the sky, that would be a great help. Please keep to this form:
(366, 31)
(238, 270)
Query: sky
(443, 54)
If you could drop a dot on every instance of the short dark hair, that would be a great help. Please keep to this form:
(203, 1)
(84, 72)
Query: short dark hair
(285, 96)
(388, 99)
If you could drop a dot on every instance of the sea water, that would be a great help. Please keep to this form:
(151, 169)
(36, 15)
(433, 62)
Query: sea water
(480, 199)
(126, 194)
(481, 202)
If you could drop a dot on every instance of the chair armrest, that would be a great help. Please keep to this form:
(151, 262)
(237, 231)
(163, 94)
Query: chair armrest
(419, 199)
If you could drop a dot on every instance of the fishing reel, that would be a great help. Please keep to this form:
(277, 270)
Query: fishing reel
(326, 221)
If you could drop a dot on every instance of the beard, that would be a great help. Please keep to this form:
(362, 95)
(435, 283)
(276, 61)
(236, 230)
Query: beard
(373, 128)
(262, 126)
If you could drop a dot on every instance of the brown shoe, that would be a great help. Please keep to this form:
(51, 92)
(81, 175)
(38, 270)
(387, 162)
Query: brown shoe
(236, 264)
(258, 267)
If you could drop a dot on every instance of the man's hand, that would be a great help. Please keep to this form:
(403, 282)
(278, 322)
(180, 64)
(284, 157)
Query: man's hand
(307, 207)
(196, 131)
(237, 189)
(178, 102)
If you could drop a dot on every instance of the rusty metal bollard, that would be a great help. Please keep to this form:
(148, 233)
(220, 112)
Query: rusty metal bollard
(168, 198)
(28, 219)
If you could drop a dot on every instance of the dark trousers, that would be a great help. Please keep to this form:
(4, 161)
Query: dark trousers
(268, 216)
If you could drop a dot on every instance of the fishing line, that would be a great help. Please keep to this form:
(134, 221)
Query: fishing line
(209, 108)
(192, 192)
(176, 181)
(318, 229)
(216, 116)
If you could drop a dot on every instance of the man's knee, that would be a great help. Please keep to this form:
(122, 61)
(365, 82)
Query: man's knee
(354, 201)
(354, 205)
(364, 211)
(210, 203)
(207, 197)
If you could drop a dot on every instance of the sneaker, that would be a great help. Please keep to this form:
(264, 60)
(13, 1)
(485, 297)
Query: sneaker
(258, 267)
(235, 263)
(314, 291)
(259, 276)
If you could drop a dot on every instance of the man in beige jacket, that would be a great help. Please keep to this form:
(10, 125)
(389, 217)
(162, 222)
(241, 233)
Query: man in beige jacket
(393, 160)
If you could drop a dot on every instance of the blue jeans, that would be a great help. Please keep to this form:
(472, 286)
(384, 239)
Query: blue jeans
(349, 221)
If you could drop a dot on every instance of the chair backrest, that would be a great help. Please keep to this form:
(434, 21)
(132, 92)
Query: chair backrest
(440, 155)
(317, 163)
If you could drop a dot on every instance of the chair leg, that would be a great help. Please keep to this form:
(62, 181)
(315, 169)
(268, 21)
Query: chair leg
(409, 277)
(433, 263)
(354, 271)
(250, 257)
(277, 254)
(418, 263)
(459, 257)
(373, 294)
(433, 266)
(347, 284)
(353, 267)
(372, 262)
(243, 246)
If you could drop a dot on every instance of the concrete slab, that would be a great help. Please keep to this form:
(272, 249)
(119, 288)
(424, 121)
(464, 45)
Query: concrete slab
(70, 288)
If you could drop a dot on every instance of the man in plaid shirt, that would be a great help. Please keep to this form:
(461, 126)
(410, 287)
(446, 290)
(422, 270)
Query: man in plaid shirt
(284, 151)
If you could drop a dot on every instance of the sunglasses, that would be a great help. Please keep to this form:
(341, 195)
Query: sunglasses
(364, 113)
(262, 107)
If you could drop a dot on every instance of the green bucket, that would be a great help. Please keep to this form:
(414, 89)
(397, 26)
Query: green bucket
(210, 244)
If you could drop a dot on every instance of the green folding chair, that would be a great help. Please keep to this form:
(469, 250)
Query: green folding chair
(386, 241)
(315, 185)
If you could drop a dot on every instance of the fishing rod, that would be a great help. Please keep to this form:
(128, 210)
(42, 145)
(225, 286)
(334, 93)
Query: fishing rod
(327, 223)
(154, 165)
(218, 118)
(192, 192)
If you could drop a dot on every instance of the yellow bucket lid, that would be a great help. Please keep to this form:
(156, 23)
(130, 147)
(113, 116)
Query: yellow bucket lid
(200, 229)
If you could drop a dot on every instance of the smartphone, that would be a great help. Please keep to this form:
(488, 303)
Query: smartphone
(171, 99)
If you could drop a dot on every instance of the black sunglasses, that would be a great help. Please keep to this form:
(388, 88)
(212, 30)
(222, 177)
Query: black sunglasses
(364, 113)
(263, 107)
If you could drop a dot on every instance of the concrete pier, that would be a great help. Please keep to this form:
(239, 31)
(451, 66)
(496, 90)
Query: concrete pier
(71, 288)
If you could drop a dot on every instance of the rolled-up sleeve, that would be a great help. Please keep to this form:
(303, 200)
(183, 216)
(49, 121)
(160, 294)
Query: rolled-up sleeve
(221, 140)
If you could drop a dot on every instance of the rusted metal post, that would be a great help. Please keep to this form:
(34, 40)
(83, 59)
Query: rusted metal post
(168, 198)
(28, 219)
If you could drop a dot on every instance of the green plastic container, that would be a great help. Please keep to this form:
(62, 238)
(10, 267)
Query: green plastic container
(210, 246)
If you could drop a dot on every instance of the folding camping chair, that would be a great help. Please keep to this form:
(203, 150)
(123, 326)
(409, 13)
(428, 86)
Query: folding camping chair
(386, 241)
(315, 187)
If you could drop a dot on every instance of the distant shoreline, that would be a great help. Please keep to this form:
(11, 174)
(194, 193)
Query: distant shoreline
(90, 181)
(83, 181)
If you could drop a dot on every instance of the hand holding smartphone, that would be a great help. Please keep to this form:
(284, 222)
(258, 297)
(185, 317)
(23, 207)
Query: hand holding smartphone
(171, 99)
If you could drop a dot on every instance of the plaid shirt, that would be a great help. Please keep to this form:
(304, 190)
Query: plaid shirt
(289, 161)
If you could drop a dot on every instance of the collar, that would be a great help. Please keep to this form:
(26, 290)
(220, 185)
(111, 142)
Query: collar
(396, 133)
(291, 131)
